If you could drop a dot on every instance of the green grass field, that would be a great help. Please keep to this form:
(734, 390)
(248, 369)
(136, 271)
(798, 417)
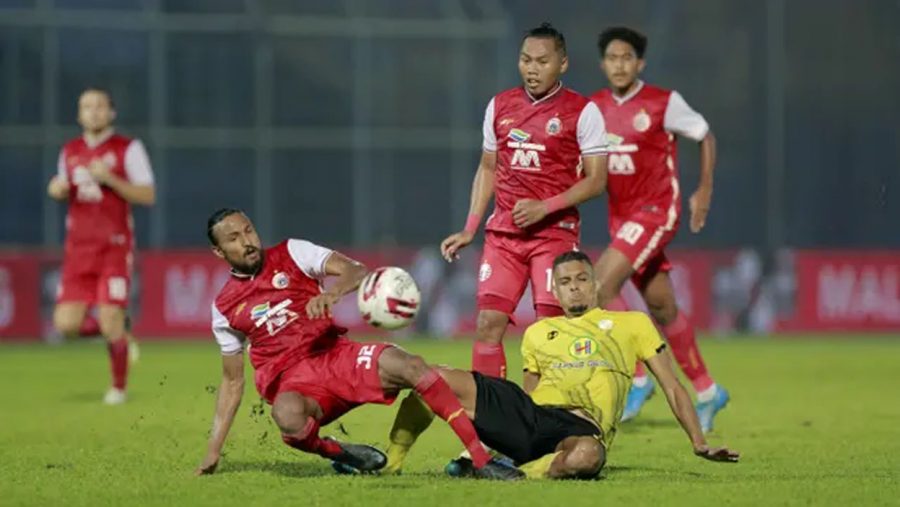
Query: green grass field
(817, 421)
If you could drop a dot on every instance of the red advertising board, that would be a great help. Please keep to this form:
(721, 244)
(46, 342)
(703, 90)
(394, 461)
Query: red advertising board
(20, 309)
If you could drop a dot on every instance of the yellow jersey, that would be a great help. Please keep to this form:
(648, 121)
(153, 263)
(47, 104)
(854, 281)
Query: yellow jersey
(588, 362)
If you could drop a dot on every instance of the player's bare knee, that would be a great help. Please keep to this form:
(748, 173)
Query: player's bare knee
(112, 324)
(66, 325)
(586, 460)
(491, 326)
(290, 411)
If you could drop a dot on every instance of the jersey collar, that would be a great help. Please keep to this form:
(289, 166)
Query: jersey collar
(630, 95)
(100, 140)
(551, 93)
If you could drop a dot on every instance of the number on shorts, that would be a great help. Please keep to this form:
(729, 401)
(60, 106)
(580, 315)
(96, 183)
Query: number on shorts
(118, 289)
(630, 232)
(365, 356)
(549, 279)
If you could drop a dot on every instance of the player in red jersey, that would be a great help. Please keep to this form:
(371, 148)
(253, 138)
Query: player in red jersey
(101, 174)
(645, 204)
(543, 154)
(306, 368)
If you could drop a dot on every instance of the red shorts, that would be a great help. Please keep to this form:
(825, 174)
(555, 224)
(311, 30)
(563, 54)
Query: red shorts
(643, 237)
(510, 261)
(339, 379)
(96, 274)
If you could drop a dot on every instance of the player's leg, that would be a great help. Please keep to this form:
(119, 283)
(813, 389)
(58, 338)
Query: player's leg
(68, 317)
(112, 326)
(399, 369)
(501, 281)
(659, 294)
(542, 255)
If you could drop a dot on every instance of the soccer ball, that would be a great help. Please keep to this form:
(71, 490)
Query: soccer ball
(388, 298)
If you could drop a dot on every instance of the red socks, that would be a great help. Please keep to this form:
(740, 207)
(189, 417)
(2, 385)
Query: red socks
(436, 393)
(489, 359)
(307, 440)
(118, 361)
(680, 334)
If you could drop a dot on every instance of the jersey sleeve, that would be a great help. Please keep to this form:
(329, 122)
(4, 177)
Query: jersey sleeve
(230, 340)
(309, 257)
(529, 357)
(487, 129)
(137, 164)
(591, 130)
(61, 166)
(647, 342)
(684, 121)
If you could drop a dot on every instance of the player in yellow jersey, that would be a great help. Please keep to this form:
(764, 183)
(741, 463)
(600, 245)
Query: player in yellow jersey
(578, 370)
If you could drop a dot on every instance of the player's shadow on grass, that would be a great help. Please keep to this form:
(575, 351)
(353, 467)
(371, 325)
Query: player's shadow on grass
(648, 423)
(84, 397)
(614, 471)
(296, 469)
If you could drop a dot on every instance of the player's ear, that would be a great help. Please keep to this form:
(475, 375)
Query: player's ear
(641, 64)
(565, 64)
(218, 251)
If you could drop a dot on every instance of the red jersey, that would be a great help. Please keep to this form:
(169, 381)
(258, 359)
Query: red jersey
(643, 175)
(97, 214)
(268, 310)
(539, 145)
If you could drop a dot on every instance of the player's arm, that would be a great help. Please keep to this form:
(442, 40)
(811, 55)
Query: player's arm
(348, 275)
(231, 390)
(591, 134)
(680, 403)
(681, 119)
(58, 188)
(482, 189)
(138, 187)
(532, 368)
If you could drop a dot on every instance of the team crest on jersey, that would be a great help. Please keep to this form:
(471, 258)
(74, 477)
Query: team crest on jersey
(583, 347)
(641, 121)
(605, 324)
(554, 126)
(280, 280)
(519, 135)
(484, 272)
(109, 159)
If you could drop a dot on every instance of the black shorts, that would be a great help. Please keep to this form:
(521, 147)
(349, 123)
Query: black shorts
(507, 420)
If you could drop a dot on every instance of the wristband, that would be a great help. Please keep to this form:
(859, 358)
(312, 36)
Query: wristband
(556, 203)
(472, 223)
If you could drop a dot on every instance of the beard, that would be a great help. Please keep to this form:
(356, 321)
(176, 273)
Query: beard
(248, 268)
(578, 310)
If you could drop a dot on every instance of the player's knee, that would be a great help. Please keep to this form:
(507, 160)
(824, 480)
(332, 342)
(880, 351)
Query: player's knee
(491, 326)
(66, 325)
(112, 325)
(586, 460)
(290, 411)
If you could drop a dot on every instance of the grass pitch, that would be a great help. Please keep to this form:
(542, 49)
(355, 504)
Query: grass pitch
(817, 421)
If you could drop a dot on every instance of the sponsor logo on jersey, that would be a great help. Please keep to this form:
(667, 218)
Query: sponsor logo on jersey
(280, 280)
(552, 335)
(641, 121)
(259, 311)
(605, 324)
(275, 318)
(554, 126)
(583, 347)
(519, 135)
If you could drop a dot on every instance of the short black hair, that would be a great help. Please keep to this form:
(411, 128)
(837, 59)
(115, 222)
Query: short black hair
(547, 31)
(573, 255)
(219, 215)
(100, 89)
(637, 40)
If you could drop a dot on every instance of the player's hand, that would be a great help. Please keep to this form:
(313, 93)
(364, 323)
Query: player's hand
(99, 171)
(528, 212)
(58, 188)
(210, 462)
(699, 203)
(717, 454)
(451, 246)
(320, 306)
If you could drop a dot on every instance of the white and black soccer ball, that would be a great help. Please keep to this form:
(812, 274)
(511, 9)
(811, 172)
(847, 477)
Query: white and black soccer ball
(388, 298)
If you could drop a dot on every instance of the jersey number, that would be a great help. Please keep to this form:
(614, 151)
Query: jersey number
(364, 357)
(630, 232)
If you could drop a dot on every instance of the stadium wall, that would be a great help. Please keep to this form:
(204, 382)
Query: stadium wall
(722, 290)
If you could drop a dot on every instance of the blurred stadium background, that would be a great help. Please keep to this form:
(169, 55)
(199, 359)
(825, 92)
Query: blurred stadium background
(356, 124)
